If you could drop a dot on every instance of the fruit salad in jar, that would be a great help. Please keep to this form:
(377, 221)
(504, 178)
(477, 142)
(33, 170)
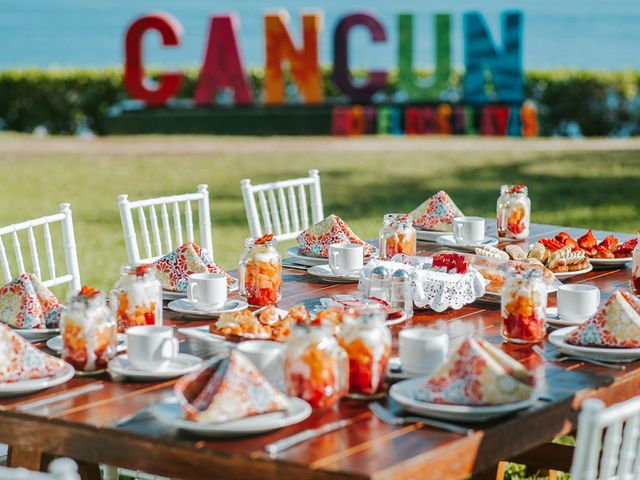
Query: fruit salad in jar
(397, 236)
(88, 331)
(315, 366)
(260, 272)
(137, 297)
(523, 306)
(513, 212)
(367, 342)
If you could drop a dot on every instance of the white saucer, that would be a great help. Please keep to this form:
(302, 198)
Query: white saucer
(37, 334)
(294, 252)
(186, 308)
(557, 338)
(55, 343)
(182, 364)
(395, 372)
(429, 235)
(450, 241)
(564, 275)
(325, 273)
(404, 393)
(171, 413)
(554, 319)
(171, 295)
(29, 386)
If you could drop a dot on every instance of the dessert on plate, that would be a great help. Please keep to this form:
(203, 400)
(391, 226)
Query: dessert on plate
(265, 323)
(436, 213)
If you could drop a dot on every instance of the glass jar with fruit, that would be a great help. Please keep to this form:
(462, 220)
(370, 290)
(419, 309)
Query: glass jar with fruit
(260, 272)
(367, 342)
(137, 297)
(397, 235)
(88, 331)
(513, 212)
(523, 306)
(316, 368)
(635, 269)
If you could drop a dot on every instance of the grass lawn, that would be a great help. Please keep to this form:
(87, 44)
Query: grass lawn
(582, 183)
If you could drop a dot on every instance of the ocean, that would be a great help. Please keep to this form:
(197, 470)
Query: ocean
(587, 34)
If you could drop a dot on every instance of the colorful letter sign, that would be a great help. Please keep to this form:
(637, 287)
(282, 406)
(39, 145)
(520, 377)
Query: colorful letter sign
(303, 63)
(222, 66)
(481, 55)
(341, 74)
(134, 76)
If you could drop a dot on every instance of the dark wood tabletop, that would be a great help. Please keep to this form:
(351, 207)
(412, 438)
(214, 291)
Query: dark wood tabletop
(82, 427)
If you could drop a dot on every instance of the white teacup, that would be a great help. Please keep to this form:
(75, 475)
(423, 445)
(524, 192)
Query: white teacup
(422, 350)
(468, 229)
(151, 347)
(577, 301)
(268, 357)
(345, 258)
(207, 291)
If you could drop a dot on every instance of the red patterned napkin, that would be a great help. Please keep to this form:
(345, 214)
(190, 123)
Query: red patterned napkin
(19, 360)
(173, 269)
(616, 325)
(316, 239)
(26, 303)
(229, 390)
(436, 213)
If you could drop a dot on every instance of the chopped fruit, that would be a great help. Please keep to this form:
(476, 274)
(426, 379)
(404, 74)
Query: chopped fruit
(610, 242)
(588, 241)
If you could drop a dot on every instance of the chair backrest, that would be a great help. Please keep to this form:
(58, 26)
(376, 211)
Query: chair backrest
(52, 277)
(156, 242)
(284, 210)
(59, 469)
(607, 445)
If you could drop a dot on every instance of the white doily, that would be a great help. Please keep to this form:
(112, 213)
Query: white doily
(435, 289)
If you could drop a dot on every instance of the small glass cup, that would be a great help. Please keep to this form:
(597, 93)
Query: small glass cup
(137, 297)
(524, 305)
(260, 272)
(397, 235)
(513, 212)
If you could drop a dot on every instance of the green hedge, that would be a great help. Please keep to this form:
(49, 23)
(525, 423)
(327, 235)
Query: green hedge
(569, 101)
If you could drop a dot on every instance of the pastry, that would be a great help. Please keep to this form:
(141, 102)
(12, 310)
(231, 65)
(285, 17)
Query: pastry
(539, 252)
(491, 252)
(515, 252)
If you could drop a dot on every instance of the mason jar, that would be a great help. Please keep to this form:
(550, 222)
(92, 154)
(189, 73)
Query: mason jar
(88, 331)
(260, 272)
(367, 342)
(137, 297)
(316, 368)
(397, 235)
(513, 212)
(524, 305)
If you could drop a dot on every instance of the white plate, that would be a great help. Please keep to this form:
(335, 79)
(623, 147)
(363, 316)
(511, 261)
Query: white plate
(55, 343)
(171, 295)
(429, 235)
(325, 273)
(311, 261)
(450, 241)
(37, 334)
(29, 386)
(557, 338)
(182, 364)
(610, 262)
(170, 413)
(186, 308)
(202, 332)
(564, 275)
(404, 393)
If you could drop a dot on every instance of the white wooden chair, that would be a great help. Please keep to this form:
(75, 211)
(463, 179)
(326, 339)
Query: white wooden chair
(52, 277)
(155, 242)
(59, 469)
(607, 445)
(283, 206)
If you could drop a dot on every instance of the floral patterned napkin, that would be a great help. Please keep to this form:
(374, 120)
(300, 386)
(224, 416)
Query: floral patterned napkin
(173, 269)
(436, 213)
(19, 360)
(616, 325)
(229, 390)
(316, 239)
(25, 303)
(478, 373)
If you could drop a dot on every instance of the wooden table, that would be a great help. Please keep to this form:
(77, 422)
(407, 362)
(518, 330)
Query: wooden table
(82, 427)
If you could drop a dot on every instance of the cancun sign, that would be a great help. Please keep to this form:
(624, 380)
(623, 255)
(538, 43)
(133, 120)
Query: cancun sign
(492, 76)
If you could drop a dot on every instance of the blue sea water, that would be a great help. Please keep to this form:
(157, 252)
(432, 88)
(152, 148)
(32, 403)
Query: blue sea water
(590, 34)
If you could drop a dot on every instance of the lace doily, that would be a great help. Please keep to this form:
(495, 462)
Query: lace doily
(429, 288)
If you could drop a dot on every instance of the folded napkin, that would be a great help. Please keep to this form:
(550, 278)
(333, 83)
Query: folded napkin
(616, 325)
(436, 213)
(26, 303)
(19, 360)
(478, 374)
(231, 389)
(173, 269)
(316, 239)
